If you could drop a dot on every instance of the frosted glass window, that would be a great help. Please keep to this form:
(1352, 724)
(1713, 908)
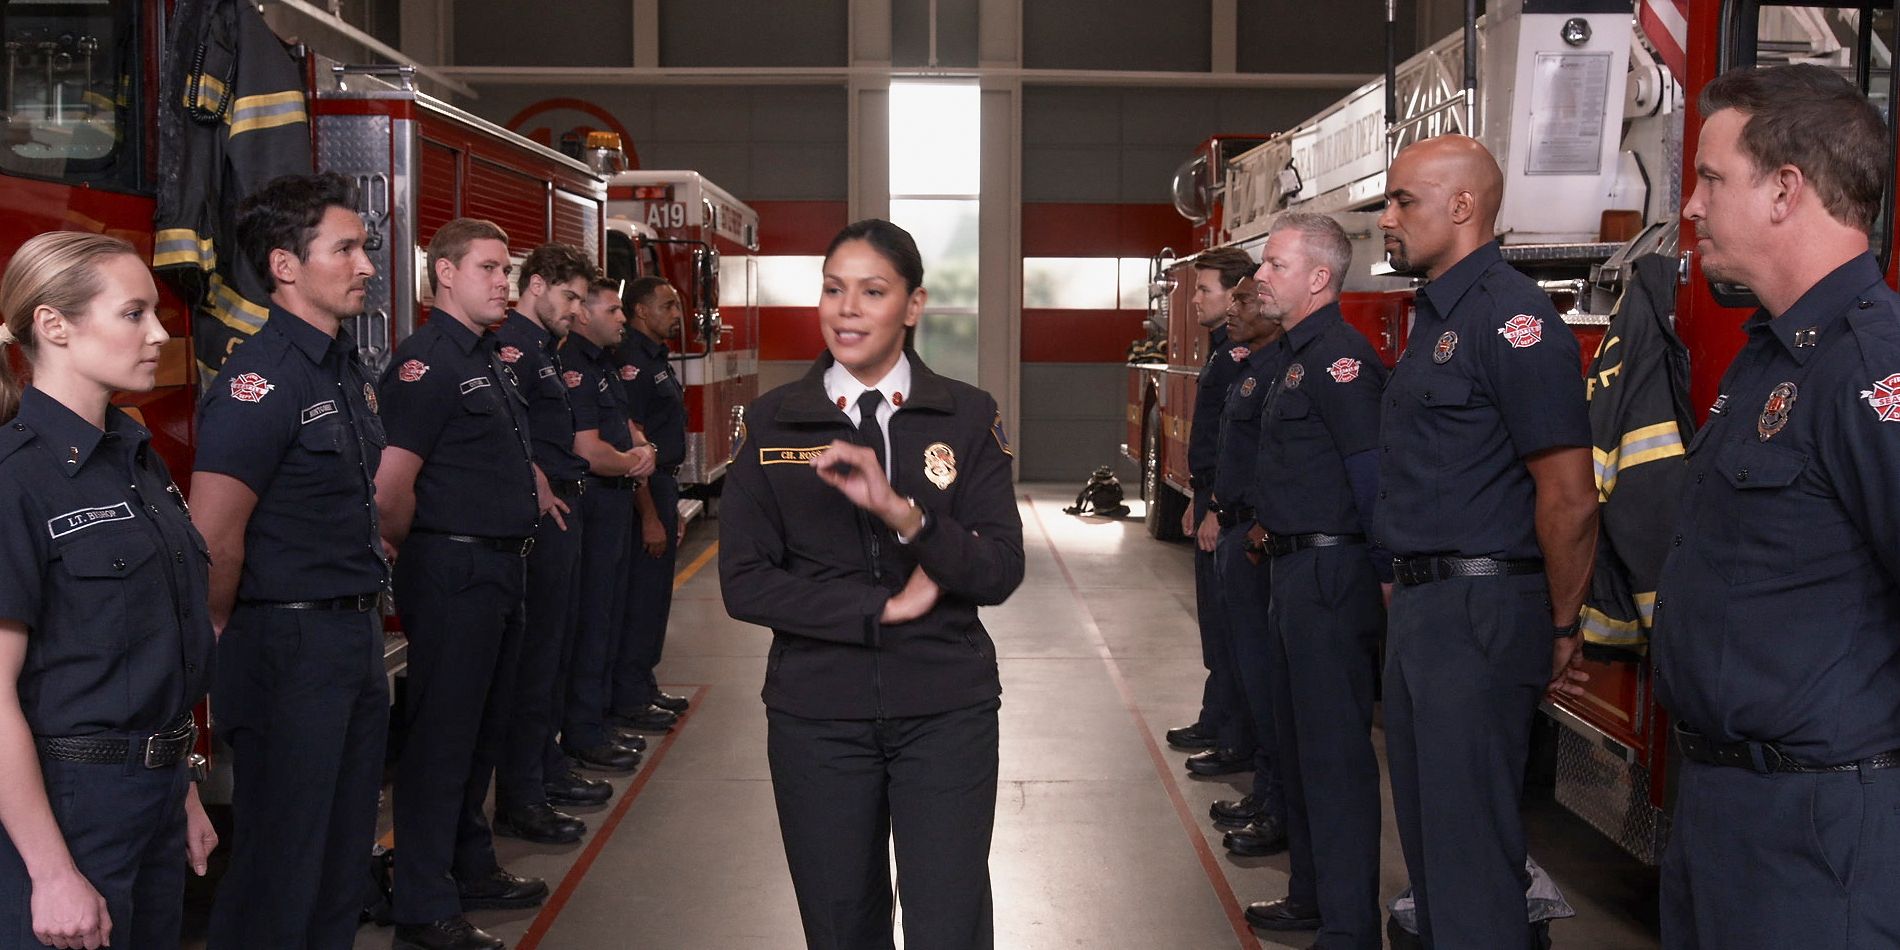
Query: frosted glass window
(1070, 283)
(934, 138)
(1134, 283)
(947, 344)
(787, 280)
(945, 232)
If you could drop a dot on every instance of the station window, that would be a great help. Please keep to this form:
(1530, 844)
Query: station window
(1085, 283)
(935, 183)
(70, 96)
(790, 280)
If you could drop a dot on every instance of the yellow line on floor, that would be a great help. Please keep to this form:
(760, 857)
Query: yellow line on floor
(679, 580)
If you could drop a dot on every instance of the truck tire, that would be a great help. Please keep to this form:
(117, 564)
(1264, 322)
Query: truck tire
(1164, 503)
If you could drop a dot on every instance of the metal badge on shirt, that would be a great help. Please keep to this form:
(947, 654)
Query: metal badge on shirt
(940, 464)
(1295, 375)
(1447, 345)
(1774, 412)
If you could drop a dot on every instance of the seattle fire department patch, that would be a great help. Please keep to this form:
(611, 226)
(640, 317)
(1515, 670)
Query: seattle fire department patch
(1522, 330)
(572, 379)
(1774, 412)
(1344, 370)
(1239, 353)
(411, 371)
(940, 465)
(1447, 345)
(629, 373)
(1885, 398)
(509, 354)
(1246, 386)
(369, 398)
(1295, 375)
(250, 387)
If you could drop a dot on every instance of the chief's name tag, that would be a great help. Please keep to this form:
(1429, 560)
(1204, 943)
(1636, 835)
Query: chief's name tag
(790, 456)
(72, 521)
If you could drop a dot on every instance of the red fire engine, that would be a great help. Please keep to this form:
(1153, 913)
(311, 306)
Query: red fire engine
(1584, 198)
(705, 242)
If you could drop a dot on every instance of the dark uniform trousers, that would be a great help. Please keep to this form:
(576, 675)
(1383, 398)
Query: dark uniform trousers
(541, 687)
(1222, 709)
(608, 513)
(1467, 660)
(125, 826)
(1326, 618)
(649, 602)
(462, 609)
(832, 779)
(1837, 834)
(303, 701)
(1244, 595)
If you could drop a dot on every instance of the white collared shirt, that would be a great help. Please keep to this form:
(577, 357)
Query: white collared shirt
(840, 385)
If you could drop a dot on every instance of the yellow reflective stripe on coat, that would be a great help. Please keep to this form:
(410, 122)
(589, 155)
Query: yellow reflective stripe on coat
(232, 310)
(1647, 444)
(254, 113)
(176, 247)
(1599, 627)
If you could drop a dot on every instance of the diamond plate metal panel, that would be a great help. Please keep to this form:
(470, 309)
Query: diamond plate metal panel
(1611, 795)
(357, 147)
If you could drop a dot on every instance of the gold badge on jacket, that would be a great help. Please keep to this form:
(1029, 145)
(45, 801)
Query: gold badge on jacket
(940, 465)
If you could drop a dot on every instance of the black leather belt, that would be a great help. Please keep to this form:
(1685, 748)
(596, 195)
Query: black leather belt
(518, 547)
(618, 482)
(154, 751)
(1424, 570)
(1765, 757)
(1280, 545)
(670, 471)
(568, 487)
(1228, 517)
(359, 603)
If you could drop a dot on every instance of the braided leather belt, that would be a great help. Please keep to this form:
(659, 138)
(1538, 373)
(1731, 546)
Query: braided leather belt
(568, 487)
(620, 482)
(156, 751)
(1424, 570)
(1228, 517)
(1766, 757)
(356, 603)
(1280, 545)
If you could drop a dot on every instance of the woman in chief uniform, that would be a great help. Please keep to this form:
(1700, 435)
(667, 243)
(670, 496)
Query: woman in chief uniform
(867, 514)
(105, 643)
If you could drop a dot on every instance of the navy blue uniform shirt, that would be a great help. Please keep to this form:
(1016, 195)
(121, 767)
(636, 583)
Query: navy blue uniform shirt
(1222, 367)
(655, 398)
(1490, 375)
(292, 415)
(592, 386)
(1322, 409)
(449, 398)
(1778, 612)
(1240, 425)
(103, 566)
(528, 349)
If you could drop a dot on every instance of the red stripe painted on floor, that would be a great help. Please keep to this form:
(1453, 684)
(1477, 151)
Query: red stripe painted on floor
(557, 901)
(1235, 917)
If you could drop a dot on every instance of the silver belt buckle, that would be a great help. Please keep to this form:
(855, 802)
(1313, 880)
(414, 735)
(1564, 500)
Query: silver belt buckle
(185, 734)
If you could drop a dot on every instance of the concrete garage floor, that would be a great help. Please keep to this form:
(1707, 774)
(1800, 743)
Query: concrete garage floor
(1101, 837)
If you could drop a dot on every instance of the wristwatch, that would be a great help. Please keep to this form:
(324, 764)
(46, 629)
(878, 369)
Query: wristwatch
(199, 766)
(1570, 629)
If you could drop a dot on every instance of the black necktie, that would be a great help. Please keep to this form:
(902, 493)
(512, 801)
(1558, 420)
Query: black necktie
(869, 432)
